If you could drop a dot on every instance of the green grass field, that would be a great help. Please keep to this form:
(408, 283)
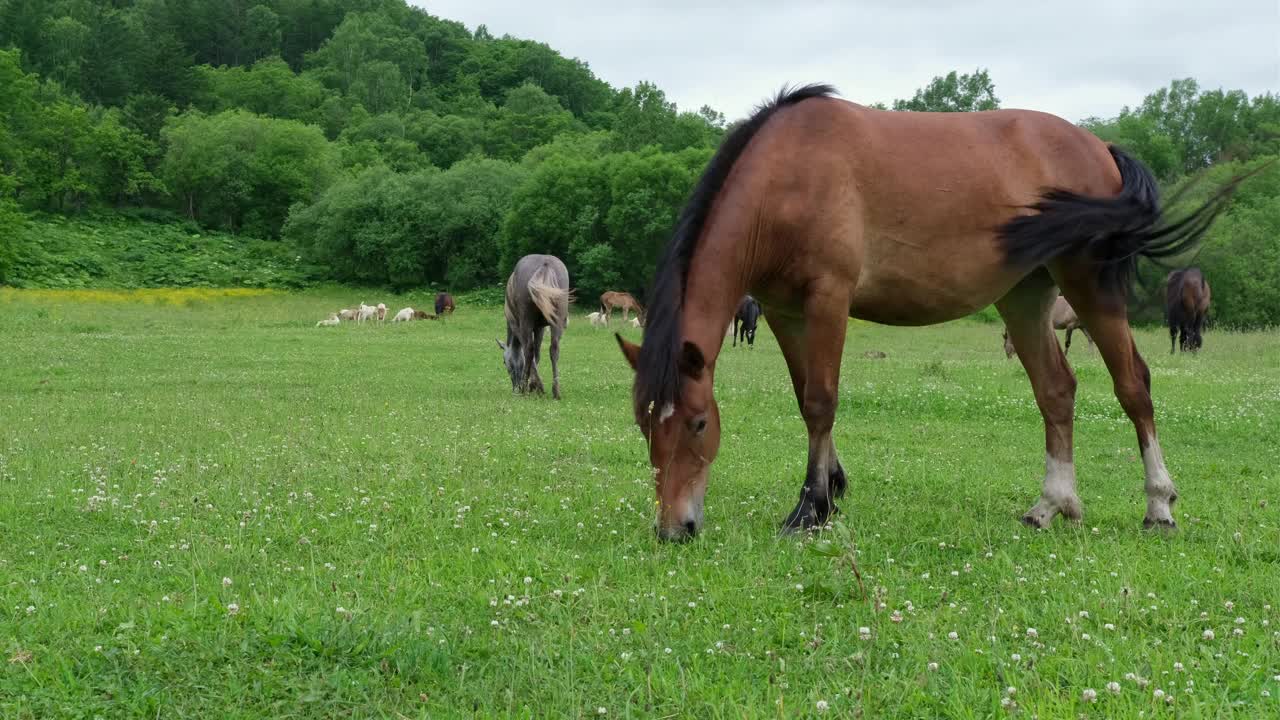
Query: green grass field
(211, 508)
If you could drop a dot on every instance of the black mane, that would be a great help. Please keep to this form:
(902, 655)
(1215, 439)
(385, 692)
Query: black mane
(657, 376)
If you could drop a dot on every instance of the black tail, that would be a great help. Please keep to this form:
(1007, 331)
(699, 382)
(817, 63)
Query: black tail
(1113, 231)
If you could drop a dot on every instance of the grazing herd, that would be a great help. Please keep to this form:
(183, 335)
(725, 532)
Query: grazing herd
(538, 298)
(901, 219)
(378, 313)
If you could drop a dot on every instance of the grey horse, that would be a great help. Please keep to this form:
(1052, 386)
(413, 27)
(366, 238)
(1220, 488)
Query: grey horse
(537, 298)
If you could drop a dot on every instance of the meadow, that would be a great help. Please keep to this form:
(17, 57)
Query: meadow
(211, 508)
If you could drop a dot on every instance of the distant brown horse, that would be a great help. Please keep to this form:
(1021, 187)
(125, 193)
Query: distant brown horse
(825, 210)
(611, 300)
(444, 303)
(1186, 306)
(1062, 317)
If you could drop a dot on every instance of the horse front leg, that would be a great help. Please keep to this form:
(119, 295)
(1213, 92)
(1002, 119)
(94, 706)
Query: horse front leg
(555, 362)
(534, 381)
(813, 348)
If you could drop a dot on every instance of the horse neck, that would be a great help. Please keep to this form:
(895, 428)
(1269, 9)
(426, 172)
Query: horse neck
(716, 282)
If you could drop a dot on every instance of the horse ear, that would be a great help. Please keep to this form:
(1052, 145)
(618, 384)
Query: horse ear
(691, 360)
(630, 351)
(500, 345)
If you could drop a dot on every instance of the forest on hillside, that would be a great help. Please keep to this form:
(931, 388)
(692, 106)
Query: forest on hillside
(382, 145)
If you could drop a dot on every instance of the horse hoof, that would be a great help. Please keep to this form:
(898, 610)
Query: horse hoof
(799, 520)
(1160, 524)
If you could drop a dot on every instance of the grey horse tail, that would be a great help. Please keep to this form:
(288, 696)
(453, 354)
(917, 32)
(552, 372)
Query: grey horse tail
(551, 299)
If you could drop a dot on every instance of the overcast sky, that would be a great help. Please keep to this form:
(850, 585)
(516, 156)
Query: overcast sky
(1074, 58)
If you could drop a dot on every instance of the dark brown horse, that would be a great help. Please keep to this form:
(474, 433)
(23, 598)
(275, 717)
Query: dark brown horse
(444, 303)
(745, 320)
(1186, 306)
(825, 210)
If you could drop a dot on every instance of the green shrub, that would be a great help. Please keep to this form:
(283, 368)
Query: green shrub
(116, 252)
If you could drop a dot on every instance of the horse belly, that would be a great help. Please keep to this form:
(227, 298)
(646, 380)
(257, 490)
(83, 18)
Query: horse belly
(930, 283)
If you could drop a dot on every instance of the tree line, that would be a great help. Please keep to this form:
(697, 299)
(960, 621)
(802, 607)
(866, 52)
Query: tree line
(393, 147)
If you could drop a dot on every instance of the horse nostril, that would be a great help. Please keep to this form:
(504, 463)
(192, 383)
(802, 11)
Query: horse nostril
(691, 527)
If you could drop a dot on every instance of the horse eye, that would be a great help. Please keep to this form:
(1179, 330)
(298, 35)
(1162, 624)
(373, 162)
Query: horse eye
(698, 425)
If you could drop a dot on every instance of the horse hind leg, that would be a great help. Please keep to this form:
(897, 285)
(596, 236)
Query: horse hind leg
(1026, 314)
(812, 349)
(1107, 319)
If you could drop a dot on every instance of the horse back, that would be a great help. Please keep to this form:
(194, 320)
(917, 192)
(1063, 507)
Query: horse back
(899, 204)
(525, 312)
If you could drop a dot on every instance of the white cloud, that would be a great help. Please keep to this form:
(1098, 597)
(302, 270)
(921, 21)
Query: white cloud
(1088, 57)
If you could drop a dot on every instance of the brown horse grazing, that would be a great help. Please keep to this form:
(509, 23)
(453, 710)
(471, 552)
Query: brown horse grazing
(444, 303)
(824, 210)
(1062, 317)
(613, 299)
(1186, 306)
